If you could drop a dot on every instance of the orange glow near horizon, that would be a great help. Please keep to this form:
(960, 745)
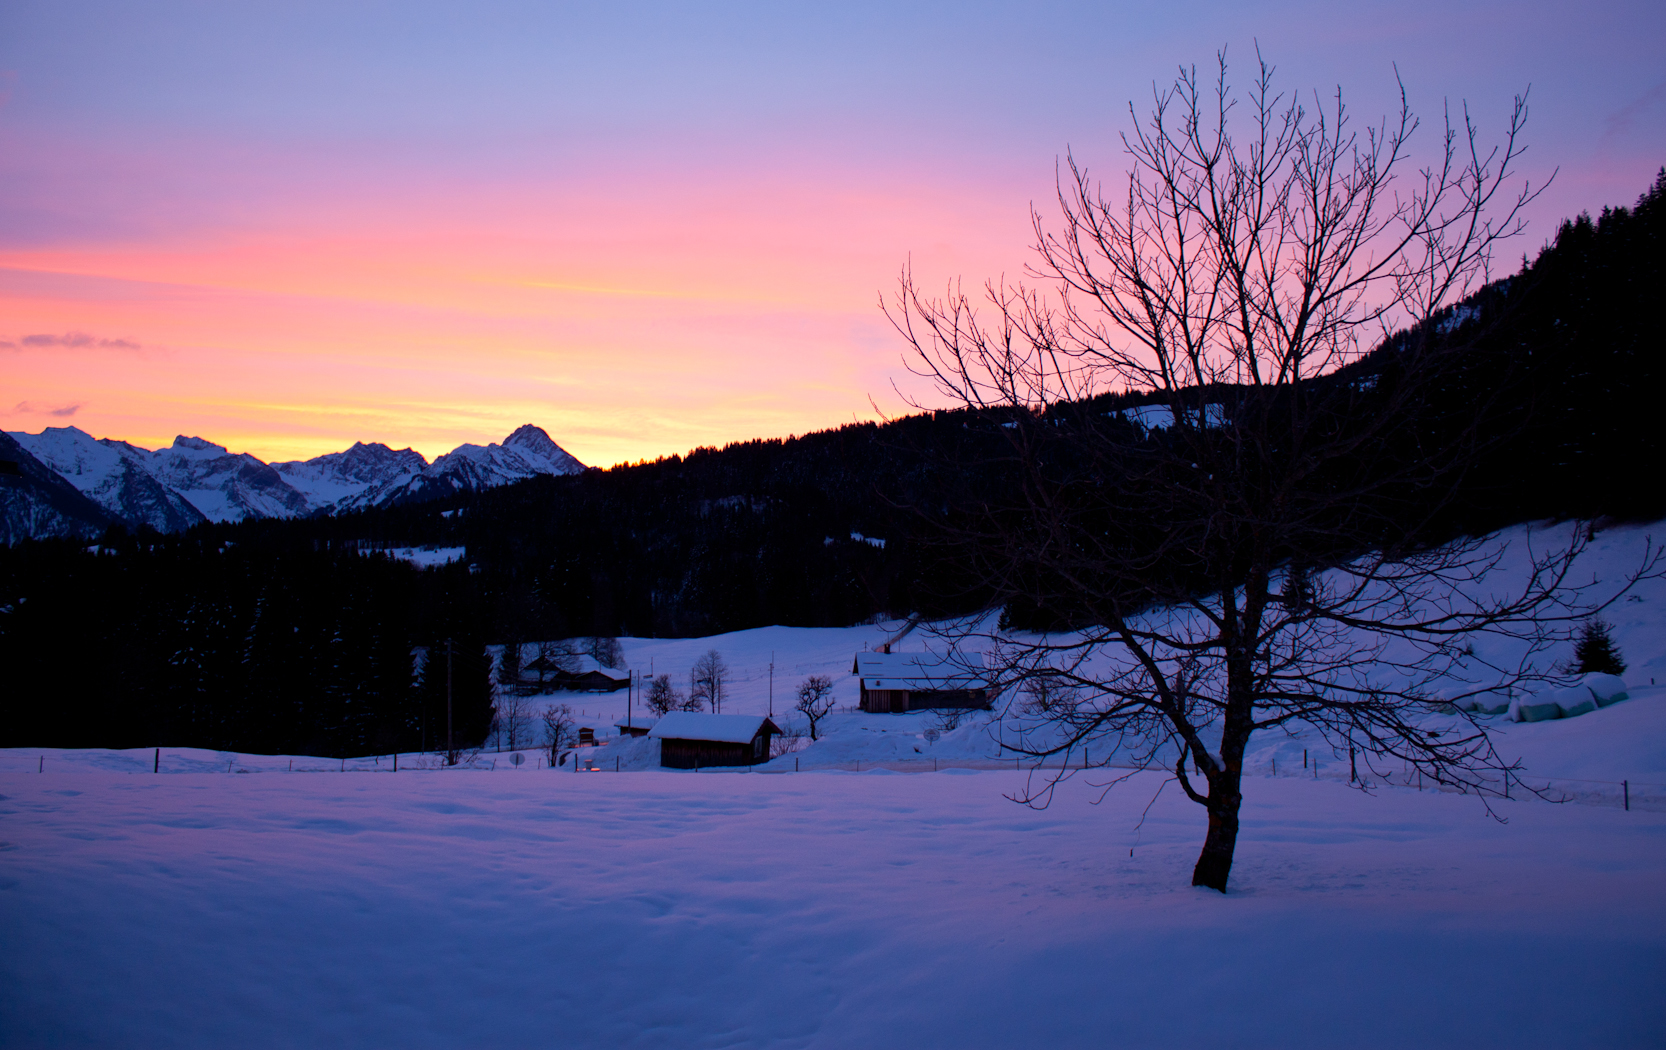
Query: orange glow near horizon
(286, 228)
(753, 316)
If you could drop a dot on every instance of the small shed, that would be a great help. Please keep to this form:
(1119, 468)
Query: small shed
(634, 725)
(893, 683)
(696, 740)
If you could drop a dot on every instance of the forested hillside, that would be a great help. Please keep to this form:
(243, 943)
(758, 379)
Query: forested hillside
(298, 635)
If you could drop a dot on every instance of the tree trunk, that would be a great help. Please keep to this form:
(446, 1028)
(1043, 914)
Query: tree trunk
(1214, 864)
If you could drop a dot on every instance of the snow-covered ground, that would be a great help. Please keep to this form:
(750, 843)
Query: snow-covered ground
(422, 557)
(537, 908)
(240, 900)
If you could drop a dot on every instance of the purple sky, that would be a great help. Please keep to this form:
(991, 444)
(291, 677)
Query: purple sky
(643, 228)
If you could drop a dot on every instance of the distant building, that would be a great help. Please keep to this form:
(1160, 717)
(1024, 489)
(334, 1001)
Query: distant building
(634, 725)
(695, 740)
(892, 683)
(585, 675)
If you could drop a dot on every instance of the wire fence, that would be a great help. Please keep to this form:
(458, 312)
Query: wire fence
(1620, 793)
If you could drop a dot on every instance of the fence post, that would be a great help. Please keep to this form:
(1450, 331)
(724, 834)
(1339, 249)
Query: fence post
(1625, 785)
(157, 766)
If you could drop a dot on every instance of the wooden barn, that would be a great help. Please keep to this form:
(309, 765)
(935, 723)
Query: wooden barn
(695, 740)
(635, 725)
(588, 682)
(893, 683)
(589, 677)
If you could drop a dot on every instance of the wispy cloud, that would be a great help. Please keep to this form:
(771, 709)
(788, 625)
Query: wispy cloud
(30, 408)
(73, 341)
(1624, 120)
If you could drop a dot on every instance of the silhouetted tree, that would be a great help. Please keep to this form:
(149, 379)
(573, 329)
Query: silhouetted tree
(662, 697)
(1596, 650)
(815, 700)
(1250, 542)
(706, 680)
(558, 723)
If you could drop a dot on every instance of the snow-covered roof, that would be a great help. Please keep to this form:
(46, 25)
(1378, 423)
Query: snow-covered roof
(913, 671)
(695, 725)
(638, 720)
(581, 665)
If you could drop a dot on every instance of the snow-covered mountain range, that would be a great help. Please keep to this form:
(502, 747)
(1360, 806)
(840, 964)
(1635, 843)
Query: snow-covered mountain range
(194, 480)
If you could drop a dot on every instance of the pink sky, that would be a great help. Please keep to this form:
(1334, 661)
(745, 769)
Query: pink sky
(289, 231)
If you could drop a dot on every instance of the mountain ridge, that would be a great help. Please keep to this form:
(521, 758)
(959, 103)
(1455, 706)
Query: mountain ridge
(195, 480)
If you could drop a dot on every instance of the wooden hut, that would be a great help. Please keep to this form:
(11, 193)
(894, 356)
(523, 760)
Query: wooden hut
(634, 725)
(581, 674)
(588, 682)
(695, 740)
(893, 683)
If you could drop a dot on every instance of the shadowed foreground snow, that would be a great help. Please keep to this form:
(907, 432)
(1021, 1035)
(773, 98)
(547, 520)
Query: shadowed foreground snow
(531, 908)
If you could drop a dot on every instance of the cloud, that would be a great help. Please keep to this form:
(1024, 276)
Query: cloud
(1622, 121)
(75, 341)
(32, 409)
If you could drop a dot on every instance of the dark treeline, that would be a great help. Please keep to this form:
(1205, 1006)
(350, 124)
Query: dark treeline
(284, 636)
(196, 641)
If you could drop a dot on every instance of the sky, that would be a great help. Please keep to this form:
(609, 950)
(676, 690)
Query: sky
(286, 227)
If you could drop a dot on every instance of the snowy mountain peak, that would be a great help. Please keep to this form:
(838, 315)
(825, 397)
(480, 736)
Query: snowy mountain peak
(339, 478)
(533, 442)
(195, 479)
(113, 474)
(197, 444)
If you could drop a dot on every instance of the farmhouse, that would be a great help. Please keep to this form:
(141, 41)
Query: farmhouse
(588, 677)
(695, 740)
(892, 683)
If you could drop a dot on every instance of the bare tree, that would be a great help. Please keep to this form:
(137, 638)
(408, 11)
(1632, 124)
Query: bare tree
(606, 651)
(787, 741)
(558, 655)
(1249, 546)
(514, 719)
(706, 680)
(815, 700)
(558, 729)
(662, 697)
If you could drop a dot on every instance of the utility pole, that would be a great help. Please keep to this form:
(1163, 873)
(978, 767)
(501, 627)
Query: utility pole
(772, 683)
(450, 749)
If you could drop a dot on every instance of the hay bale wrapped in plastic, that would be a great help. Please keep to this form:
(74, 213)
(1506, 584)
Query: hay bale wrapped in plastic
(1541, 707)
(1605, 689)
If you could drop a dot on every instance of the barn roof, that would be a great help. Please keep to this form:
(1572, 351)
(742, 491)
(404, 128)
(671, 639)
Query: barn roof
(696, 725)
(580, 664)
(914, 671)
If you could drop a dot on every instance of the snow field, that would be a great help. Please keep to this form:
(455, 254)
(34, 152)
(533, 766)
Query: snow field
(469, 908)
(523, 905)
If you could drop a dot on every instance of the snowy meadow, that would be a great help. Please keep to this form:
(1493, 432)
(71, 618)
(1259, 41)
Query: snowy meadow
(877, 887)
(473, 908)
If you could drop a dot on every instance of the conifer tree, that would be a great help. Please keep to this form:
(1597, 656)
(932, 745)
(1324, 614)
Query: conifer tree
(1596, 651)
